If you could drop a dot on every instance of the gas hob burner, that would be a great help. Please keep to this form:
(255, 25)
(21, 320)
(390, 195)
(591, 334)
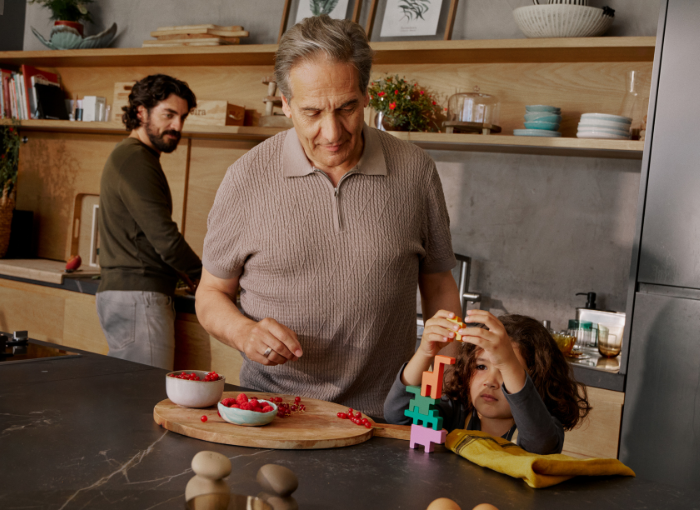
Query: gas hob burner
(18, 347)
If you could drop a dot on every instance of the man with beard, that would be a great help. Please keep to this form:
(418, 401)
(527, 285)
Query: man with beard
(142, 253)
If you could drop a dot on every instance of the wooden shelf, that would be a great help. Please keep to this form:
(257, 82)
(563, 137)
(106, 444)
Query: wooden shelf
(584, 49)
(620, 149)
(113, 128)
(581, 147)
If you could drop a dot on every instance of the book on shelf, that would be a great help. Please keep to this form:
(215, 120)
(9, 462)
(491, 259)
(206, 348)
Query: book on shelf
(51, 103)
(31, 76)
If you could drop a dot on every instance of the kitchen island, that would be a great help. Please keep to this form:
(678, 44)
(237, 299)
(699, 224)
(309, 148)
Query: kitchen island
(79, 433)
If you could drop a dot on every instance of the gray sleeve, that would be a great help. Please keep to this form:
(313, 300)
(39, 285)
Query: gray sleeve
(538, 431)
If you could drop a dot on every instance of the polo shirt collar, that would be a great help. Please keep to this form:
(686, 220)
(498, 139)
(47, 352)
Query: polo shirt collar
(296, 164)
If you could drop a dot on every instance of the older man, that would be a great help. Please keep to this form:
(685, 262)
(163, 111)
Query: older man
(327, 228)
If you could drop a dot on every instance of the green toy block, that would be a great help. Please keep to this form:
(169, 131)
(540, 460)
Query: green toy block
(423, 404)
(429, 421)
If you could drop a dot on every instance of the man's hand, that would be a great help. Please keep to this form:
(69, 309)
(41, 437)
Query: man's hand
(218, 314)
(255, 338)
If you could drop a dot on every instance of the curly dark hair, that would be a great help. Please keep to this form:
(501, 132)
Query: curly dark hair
(150, 91)
(546, 365)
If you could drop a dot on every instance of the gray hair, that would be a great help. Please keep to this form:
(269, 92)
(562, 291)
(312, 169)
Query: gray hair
(341, 40)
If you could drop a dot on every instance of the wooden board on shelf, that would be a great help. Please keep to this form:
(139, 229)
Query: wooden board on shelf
(209, 41)
(232, 31)
(49, 271)
(316, 427)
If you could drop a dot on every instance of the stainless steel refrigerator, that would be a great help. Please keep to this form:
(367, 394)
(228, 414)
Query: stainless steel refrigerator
(660, 437)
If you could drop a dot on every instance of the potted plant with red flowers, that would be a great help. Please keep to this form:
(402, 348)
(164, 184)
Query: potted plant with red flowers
(70, 13)
(9, 159)
(403, 106)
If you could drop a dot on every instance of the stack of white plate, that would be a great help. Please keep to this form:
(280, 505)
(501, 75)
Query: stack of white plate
(603, 125)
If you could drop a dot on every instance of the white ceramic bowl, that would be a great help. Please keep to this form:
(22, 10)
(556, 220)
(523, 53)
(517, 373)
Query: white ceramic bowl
(561, 21)
(542, 108)
(606, 117)
(619, 132)
(194, 393)
(247, 418)
(601, 134)
(603, 124)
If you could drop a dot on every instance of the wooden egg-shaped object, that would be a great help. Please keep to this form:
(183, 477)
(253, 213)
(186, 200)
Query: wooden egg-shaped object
(277, 479)
(211, 465)
(443, 504)
(485, 506)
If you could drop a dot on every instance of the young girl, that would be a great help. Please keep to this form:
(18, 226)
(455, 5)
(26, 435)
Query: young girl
(509, 376)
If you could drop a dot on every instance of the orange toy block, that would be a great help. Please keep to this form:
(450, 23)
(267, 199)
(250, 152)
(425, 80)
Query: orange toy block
(431, 385)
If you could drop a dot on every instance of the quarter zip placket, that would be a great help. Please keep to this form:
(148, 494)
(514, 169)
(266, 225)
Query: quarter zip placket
(337, 217)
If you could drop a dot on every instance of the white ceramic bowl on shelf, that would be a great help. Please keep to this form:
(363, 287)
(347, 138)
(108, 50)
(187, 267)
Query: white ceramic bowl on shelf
(562, 21)
(601, 134)
(602, 129)
(606, 117)
(603, 123)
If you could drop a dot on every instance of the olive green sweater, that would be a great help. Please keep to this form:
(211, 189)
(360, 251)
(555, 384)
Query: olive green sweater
(140, 245)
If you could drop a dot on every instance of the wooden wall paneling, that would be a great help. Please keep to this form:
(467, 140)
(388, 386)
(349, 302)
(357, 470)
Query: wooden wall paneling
(39, 310)
(576, 87)
(226, 361)
(192, 351)
(599, 435)
(53, 169)
(56, 167)
(209, 160)
(81, 325)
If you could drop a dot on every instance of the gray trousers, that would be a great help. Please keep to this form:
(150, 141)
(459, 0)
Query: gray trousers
(139, 326)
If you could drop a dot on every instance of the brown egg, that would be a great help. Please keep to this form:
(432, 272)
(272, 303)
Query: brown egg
(484, 506)
(443, 504)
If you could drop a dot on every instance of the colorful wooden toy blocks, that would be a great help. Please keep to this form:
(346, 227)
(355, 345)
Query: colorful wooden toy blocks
(423, 410)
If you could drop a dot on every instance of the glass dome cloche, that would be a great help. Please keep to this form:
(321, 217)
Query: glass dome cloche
(473, 112)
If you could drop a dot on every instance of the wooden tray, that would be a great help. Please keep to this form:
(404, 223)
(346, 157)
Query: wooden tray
(317, 427)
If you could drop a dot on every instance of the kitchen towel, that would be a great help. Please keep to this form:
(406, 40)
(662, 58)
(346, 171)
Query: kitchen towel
(538, 471)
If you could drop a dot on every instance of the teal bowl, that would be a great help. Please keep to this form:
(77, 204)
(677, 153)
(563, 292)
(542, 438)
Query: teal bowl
(550, 126)
(542, 108)
(542, 117)
(247, 418)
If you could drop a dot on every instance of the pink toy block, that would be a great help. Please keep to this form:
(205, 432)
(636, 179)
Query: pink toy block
(426, 437)
(432, 381)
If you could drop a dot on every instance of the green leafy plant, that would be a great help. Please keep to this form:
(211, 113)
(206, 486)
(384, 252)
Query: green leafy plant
(319, 7)
(407, 107)
(67, 10)
(9, 157)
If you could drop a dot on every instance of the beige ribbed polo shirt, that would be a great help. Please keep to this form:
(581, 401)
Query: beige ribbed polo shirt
(338, 266)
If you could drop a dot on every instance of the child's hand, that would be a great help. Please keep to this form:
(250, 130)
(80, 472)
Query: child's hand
(438, 332)
(497, 346)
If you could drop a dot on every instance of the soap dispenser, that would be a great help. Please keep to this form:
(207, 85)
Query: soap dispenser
(590, 299)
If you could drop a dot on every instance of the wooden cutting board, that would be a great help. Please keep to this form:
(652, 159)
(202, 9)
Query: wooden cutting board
(43, 270)
(317, 427)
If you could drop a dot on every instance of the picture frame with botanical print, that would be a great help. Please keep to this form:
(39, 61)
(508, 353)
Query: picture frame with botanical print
(409, 19)
(300, 9)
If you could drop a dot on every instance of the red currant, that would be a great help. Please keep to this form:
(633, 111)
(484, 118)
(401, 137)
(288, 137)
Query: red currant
(342, 416)
(204, 418)
(350, 410)
(297, 399)
(368, 425)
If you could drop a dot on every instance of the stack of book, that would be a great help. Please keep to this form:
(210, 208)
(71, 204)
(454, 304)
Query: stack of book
(31, 94)
(195, 35)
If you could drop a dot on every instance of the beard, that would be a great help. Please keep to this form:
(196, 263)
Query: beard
(160, 142)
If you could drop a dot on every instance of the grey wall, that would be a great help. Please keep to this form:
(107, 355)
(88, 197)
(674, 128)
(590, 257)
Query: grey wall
(476, 19)
(539, 228)
(12, 25)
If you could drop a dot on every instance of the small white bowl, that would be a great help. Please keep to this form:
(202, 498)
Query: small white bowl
(611, 131)
(599, 134)
(247, 418)
(606, 117)
(194, 393)
(603, 124)
(561, 20)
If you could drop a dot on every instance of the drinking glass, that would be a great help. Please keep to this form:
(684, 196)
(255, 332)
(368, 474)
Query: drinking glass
(609, 344)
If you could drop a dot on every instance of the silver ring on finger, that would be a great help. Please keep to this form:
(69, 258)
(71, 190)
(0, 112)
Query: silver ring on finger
(267, 352)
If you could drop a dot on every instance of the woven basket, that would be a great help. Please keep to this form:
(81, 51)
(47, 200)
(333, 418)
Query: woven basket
(562, 21)
(7, 206)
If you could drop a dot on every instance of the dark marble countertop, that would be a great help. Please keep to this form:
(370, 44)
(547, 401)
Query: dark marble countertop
(79, 433)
